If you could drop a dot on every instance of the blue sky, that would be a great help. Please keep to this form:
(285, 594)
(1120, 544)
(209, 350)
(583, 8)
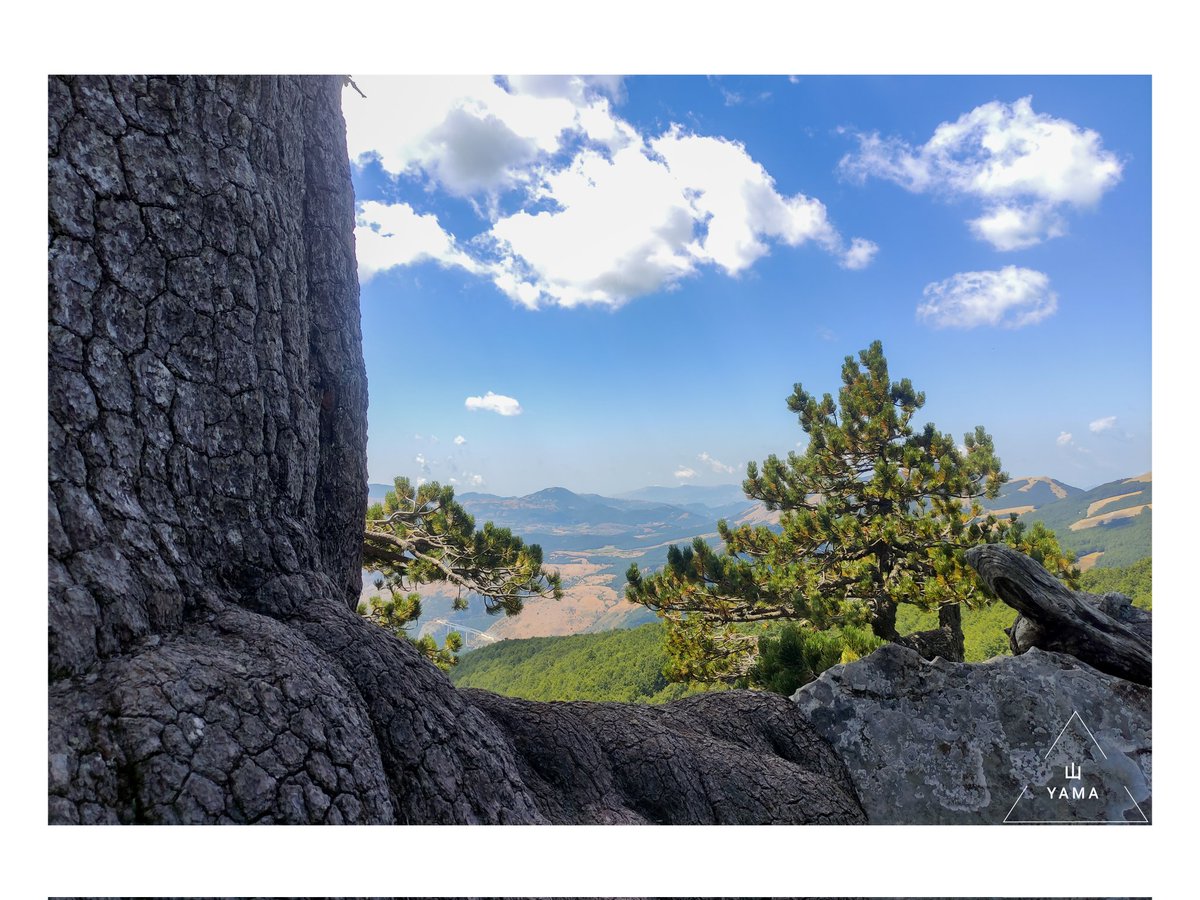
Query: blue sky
(608, 283)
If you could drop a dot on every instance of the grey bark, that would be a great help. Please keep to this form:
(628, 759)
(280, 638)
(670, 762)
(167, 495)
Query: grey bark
(1106, 632)
(207, 486)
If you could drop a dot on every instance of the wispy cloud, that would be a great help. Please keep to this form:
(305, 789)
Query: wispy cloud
(1025, 167)
(1071, 448)
(683, 473)
(497, 403)
(715, 464)
(423, 464)
(1011, 297)
(1105, 424)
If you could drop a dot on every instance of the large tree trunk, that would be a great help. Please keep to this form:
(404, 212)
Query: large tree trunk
(950, 624)
(207, 488)
(883, 619)
(945, 641)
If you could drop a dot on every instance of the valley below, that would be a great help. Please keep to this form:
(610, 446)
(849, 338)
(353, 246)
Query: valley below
(591, 540)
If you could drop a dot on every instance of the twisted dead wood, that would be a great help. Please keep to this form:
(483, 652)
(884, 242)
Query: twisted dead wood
(1053, 617)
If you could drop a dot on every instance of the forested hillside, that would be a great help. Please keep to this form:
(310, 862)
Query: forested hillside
(1133, 581)
(627, 664)
(1108, 526)
(592, 540)
(624, 665)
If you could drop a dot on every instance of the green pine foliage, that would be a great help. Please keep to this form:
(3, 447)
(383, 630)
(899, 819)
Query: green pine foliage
(625, 665)
(420, 535)
(1134, 581)
(791, 656)
(876, 514)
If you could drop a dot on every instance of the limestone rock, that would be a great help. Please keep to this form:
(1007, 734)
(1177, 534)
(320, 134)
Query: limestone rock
(958, 743)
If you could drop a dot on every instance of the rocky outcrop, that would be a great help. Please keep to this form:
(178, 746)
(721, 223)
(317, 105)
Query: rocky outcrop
(1059, 732)
(954, 743)
(207, 485)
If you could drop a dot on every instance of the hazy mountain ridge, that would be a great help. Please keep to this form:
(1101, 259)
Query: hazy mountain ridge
(687, 495)
(592, 539)
(1029, 492)
(1109, 525)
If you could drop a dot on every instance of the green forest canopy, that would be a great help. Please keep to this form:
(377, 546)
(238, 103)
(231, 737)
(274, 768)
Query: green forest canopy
(627, 665)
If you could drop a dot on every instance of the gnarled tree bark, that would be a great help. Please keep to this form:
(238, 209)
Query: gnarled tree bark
(207, 490)
(1105, 632)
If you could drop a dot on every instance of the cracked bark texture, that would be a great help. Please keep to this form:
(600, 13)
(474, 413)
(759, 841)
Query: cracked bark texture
(207, 485)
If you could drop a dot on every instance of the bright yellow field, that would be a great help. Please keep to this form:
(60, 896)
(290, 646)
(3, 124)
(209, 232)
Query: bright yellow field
(1093, 521)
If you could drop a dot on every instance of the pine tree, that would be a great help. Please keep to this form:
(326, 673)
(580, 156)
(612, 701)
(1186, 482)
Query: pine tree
(875, 512)
(420, 535)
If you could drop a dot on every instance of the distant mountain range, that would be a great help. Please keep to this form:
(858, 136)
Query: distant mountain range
(1109, 525)
(1025, 494)
(592, 539)
(696, 497)
(1106, 526)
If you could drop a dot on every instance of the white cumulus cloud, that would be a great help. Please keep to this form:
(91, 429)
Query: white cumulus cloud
(1013, 227)
(683, 473)
(1064, 439)
(459, 440)
(465, 133)
(1105, 424)
(859, 254)
(1010, 297)
(639, 219)
(715, 464)
(1023, 165)
(593, 211)
(388, 235)
(497, 403)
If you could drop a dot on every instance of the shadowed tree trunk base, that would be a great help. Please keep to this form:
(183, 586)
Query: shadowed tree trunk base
(207, 494)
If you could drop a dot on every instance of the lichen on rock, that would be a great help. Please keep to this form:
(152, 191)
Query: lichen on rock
(938, 742)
